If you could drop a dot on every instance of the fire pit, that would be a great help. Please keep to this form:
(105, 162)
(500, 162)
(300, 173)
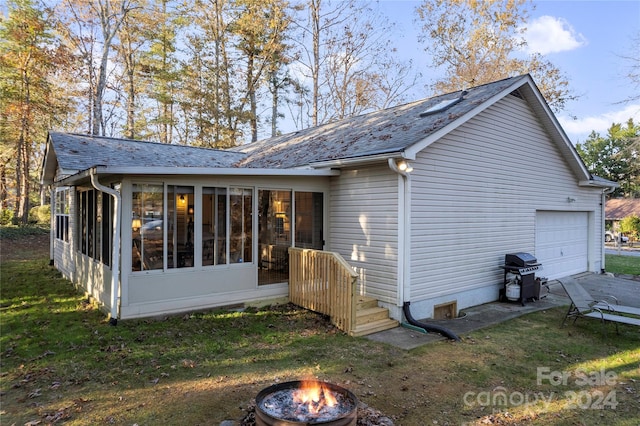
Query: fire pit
(306, 402)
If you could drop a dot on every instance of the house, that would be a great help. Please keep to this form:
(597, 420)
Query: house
(423, 200)
(619, 208)
(616, 210)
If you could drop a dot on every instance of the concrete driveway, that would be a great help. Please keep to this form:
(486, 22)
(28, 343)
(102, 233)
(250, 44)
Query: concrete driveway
(625, 289)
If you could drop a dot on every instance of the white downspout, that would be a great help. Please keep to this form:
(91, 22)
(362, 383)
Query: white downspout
(404, 231)
(115, 254)
(403, 168)
(605, 192)
(52, 225)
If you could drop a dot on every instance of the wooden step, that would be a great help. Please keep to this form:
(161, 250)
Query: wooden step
(374, 327)
(364, 316)
(370, 318)
(365, 302)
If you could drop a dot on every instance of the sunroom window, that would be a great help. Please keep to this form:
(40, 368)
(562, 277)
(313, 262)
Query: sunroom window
(62, 214)
(241, 219)
(165, 232)
(148, 227)
(94, 216)
(214, 226)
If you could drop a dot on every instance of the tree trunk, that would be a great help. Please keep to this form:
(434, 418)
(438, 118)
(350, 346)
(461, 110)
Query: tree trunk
(22, 178)
(251, 93)
(109, 30)
(274, 105)
(22, 161)
(164, 125)
(315, 66)
(4, 203)
(131, 96)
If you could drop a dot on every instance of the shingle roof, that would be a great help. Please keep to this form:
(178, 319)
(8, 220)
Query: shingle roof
(619, 208)
(386, 131)
(81, 152)
(391, 131)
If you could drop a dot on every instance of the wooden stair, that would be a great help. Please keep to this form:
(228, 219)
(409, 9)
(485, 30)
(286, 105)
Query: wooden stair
(370, 318)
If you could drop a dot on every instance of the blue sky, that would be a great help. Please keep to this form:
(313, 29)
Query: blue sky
(585, 39)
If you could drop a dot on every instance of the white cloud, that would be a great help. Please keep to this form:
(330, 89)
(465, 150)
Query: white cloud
(548, 34)
(580, 129)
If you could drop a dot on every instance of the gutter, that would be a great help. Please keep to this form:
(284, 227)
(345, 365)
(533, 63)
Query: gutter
(115, 245)
(372, 157)
(193, 171)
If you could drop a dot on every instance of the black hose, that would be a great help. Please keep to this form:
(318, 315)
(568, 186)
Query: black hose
(428, 327)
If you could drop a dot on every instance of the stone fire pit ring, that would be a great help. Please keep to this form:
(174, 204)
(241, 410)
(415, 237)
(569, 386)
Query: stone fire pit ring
(269, 414)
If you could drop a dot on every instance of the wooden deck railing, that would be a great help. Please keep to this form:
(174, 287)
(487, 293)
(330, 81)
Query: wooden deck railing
(324, 282)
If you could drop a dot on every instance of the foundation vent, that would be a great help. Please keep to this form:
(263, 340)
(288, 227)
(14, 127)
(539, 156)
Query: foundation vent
(447, 310)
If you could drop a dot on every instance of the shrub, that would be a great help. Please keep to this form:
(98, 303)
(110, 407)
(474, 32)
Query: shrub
(6, 217)
(40, 214)
(630, 226)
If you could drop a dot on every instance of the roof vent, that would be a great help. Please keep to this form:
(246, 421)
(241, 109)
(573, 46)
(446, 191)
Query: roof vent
(443, 105)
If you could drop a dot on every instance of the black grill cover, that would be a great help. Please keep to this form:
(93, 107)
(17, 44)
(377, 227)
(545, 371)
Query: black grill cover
(519, 259)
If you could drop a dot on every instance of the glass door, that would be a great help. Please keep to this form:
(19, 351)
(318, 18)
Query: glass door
(309, 219)
(180, 231)
(274, 236)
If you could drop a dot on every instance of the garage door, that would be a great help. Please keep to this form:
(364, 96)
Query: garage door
(562, 242)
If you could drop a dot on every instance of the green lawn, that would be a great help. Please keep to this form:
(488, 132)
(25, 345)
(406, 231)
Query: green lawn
(63, 363)
(629, 265)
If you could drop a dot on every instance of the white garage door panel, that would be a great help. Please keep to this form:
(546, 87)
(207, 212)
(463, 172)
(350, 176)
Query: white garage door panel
(561, 243)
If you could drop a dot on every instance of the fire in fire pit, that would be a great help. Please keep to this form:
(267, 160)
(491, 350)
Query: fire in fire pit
(306, 402)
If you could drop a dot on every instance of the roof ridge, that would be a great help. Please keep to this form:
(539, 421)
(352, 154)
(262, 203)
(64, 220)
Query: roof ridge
(378, 111)
(139, 141)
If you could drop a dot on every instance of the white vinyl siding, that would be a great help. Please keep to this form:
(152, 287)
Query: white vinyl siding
(363, 227)
(475, 194)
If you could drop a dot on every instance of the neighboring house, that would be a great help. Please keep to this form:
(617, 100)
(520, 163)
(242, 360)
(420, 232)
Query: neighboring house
(616, 210)
(619, 208)
(423, 200)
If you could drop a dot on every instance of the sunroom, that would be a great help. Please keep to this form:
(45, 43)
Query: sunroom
(201, 241)
(185, 237)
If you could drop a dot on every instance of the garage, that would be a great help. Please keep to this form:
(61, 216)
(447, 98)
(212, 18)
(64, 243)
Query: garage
(562, 242)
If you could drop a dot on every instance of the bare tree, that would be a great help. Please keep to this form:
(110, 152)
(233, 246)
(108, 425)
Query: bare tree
(132, 39)
(361, 70)
(476, 42)
(91, 27)
(314, 33)
(633, 75)
(349, 60)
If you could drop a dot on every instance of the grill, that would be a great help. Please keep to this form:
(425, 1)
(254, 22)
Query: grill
(520, 284)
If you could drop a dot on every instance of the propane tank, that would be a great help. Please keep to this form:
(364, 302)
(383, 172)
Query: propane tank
(512, 289)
